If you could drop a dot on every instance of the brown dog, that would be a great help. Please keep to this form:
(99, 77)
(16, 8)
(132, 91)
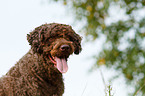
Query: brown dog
(39, 72)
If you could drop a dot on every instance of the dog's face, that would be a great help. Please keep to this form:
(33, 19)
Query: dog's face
(56, 42)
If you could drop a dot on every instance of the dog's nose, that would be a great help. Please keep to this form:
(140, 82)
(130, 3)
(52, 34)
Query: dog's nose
(64, 47)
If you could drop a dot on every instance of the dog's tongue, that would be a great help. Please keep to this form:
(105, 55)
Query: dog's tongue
(61, 64)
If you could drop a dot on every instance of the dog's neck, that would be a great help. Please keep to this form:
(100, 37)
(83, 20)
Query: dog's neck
(44, 68)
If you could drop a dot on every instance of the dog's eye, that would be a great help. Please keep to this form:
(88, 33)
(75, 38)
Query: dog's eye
(70, 38)
(61, 36)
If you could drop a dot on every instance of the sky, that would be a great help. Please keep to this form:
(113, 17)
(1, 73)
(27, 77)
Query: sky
(19, 17)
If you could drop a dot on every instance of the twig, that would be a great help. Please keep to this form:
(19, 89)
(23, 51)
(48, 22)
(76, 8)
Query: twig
(102, 76)
(84, 88)
(103, 81)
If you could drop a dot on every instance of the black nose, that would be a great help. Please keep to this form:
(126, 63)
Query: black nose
(64, 47)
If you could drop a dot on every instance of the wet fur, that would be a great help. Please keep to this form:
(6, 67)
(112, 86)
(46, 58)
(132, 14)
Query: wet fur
(34, 74)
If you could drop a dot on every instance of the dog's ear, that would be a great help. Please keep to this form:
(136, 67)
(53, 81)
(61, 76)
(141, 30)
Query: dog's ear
(77, 42)
(35, 40)
(75, 38)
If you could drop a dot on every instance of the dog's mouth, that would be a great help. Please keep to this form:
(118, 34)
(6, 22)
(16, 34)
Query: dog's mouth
(60, 63)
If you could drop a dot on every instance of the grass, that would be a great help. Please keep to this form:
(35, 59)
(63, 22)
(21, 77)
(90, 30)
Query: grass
(136, 93)
(108, 87)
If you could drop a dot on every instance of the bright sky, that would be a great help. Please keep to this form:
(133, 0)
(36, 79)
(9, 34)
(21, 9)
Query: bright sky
(19, 17)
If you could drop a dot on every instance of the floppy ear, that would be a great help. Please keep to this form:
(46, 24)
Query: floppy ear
(77, 42)
(75, 38)
(35, 39)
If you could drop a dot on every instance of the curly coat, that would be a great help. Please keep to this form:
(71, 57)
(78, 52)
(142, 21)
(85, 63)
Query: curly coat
(37, 73)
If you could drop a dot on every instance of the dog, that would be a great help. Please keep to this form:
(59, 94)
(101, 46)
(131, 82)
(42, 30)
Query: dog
(39, 72)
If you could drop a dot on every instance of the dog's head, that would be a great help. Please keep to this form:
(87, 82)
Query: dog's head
(56, 42)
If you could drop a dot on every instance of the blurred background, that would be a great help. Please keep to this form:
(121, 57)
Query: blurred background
(112, 62)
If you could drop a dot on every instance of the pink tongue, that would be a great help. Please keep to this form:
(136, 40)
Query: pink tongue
(61, 65)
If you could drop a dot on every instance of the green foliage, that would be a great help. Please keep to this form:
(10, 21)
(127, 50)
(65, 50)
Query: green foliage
(109, 90)
(123, 49)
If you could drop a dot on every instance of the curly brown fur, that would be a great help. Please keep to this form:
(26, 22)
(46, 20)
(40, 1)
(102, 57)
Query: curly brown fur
(35, 74)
